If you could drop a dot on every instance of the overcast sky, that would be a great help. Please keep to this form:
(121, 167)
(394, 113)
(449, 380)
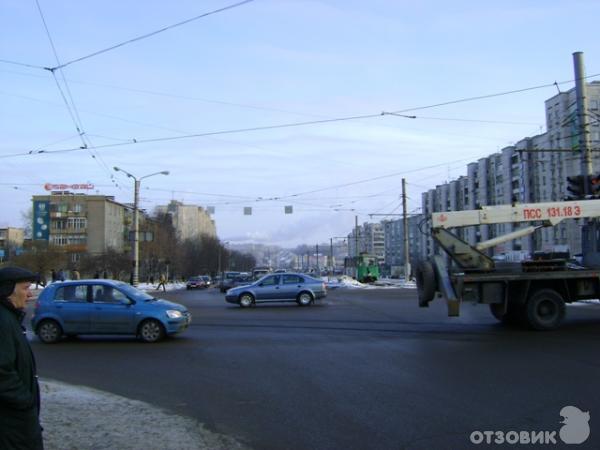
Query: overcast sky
(267, 63)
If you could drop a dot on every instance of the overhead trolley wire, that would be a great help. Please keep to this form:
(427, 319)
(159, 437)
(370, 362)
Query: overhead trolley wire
(16, 63)
(499, 94)
(71, 107)
(288, 125)
(153, 33)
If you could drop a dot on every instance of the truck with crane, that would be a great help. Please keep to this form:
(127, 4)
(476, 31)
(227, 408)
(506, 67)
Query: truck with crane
(532, 292)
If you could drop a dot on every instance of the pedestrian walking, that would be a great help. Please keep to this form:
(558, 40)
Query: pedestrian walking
(53, 275)
(161, 282)
(19, 390)
(40, 280)
(75, 275)
(97, 274)
(61, 275)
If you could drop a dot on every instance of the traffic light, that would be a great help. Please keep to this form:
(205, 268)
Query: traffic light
(594, 185)
(576, 186)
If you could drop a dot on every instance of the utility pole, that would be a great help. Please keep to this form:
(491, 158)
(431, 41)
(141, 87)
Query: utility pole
(582, 118)
(406, 241)
(330, 257)
(356, 252)
(589, 241)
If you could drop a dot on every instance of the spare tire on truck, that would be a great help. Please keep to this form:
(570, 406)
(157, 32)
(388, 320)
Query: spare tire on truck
(426, 282)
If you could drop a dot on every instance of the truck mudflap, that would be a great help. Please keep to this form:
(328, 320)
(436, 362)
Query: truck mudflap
(445, 287)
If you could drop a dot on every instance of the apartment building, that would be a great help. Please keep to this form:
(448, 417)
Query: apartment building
(394, 254)
(524, 173)
(80, 223)
(189, 221)
(11, 242)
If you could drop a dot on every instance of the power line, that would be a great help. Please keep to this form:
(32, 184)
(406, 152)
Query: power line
(196, 135)
(499, 94)
(71, 107)
(264, 108)
(287, 125)
(501, 122)
(16, 63)
(139, 38)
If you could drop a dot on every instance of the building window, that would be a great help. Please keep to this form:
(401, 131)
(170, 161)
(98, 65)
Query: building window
(77, 207)
(59, 224)
(59, 239)
(76, 239)
(76, 223)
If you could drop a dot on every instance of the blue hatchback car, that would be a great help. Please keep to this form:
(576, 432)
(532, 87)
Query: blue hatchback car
(104, 307)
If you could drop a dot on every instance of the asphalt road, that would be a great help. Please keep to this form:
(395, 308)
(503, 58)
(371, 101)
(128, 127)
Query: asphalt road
(365, 369)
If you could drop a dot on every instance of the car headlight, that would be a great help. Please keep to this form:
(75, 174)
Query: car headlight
(173, 314)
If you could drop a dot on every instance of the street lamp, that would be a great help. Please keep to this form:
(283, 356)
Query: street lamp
(136, 222)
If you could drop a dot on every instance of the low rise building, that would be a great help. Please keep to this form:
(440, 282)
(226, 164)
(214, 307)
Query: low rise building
(11, 242)
(80, 223)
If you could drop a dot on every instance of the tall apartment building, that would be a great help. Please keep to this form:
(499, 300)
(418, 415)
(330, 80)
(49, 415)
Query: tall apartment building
(81, 223)
(189, 221)
(523, 173)
(11, 242)
(370, 238)
(394, 244)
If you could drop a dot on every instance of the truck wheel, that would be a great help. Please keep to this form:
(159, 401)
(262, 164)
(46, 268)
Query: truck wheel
(426, 284)
(545, 309)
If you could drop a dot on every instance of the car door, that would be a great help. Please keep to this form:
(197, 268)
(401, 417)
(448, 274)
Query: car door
(291, 285)
(112, 312)
(72, 306)
(268, 288)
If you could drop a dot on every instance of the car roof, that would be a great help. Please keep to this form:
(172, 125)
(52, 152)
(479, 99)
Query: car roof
(105, 281)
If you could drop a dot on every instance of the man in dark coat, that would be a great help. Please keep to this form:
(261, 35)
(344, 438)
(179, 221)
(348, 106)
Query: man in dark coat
(19, 390)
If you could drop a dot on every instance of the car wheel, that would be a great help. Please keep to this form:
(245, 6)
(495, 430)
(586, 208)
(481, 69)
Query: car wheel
(246, 300)
(305, 298)
(151, 331)
(49, 331)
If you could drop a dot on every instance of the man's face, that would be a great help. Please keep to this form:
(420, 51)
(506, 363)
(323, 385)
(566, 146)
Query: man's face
(20, 295)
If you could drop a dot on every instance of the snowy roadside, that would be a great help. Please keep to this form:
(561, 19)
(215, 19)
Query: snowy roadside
(81, 418)
(347, 282)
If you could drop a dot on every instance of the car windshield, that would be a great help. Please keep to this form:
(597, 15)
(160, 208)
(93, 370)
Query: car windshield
(134, 293)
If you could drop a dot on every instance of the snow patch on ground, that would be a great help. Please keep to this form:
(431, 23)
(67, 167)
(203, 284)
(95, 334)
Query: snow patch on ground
(347, 282)
(81, 418)
(595, 302)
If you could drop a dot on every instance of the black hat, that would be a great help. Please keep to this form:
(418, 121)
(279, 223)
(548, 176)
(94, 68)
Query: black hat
(9, 276)
(15, 274)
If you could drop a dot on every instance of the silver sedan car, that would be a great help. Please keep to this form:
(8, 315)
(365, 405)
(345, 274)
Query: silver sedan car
(280, 287)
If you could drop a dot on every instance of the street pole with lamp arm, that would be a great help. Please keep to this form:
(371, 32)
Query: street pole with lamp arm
(136, 222)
